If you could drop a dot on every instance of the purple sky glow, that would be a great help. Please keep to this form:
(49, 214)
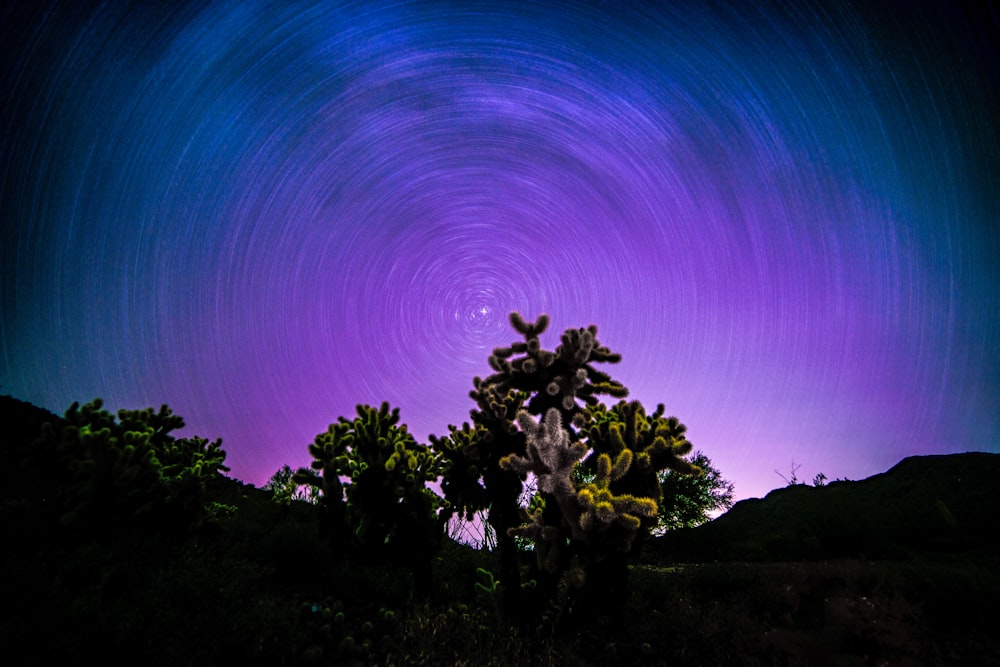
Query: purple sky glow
(786, 219)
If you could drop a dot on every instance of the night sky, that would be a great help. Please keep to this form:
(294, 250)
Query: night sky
(785, 218)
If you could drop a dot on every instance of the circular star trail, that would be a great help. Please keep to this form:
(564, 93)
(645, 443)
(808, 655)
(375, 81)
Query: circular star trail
(265, 213)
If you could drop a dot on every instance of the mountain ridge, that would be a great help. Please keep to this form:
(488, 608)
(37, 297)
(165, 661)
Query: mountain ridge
(938, 502)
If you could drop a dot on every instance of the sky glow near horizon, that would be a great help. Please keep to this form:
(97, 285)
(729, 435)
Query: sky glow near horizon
(261, 214)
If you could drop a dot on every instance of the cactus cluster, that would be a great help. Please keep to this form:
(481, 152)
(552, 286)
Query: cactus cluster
(599, 492)
(104, 472)
(526, 378)
(595, 517)
(539, 414)
(373, 477)
(652, 443)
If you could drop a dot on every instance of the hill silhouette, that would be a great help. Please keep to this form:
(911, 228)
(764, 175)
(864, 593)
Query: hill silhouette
(20, 421)
(20, 424)
(922, 504)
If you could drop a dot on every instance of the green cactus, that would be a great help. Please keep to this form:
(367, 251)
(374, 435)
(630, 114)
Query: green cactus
(596, 468)
(539, 414)
(557, 378)
(531, 380)
(656, 443)
(104, 474)
(373, 476)
(593, 520)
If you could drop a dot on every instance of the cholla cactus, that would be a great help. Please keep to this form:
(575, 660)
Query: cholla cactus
(554, 379)
(530, 379)
(373, 475)
(603, 509)
(588, 508)
(466, 457)
(551, 455)
(110, 473)
(592, 515)
(655, 443)
(473, 480)
(594, 507)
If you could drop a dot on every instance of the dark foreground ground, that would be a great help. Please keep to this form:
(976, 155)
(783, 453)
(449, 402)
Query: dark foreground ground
(254, 585)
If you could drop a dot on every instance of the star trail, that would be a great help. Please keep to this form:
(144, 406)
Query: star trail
(263, 213)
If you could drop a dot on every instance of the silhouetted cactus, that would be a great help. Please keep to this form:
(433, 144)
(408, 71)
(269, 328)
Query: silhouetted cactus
(596, 467)
(382, 508)
(102, 473)
(526, 380)
(473, 480)
(553, 379)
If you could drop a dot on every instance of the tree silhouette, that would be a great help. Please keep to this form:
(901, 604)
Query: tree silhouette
(690, 500)
(284, 489)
